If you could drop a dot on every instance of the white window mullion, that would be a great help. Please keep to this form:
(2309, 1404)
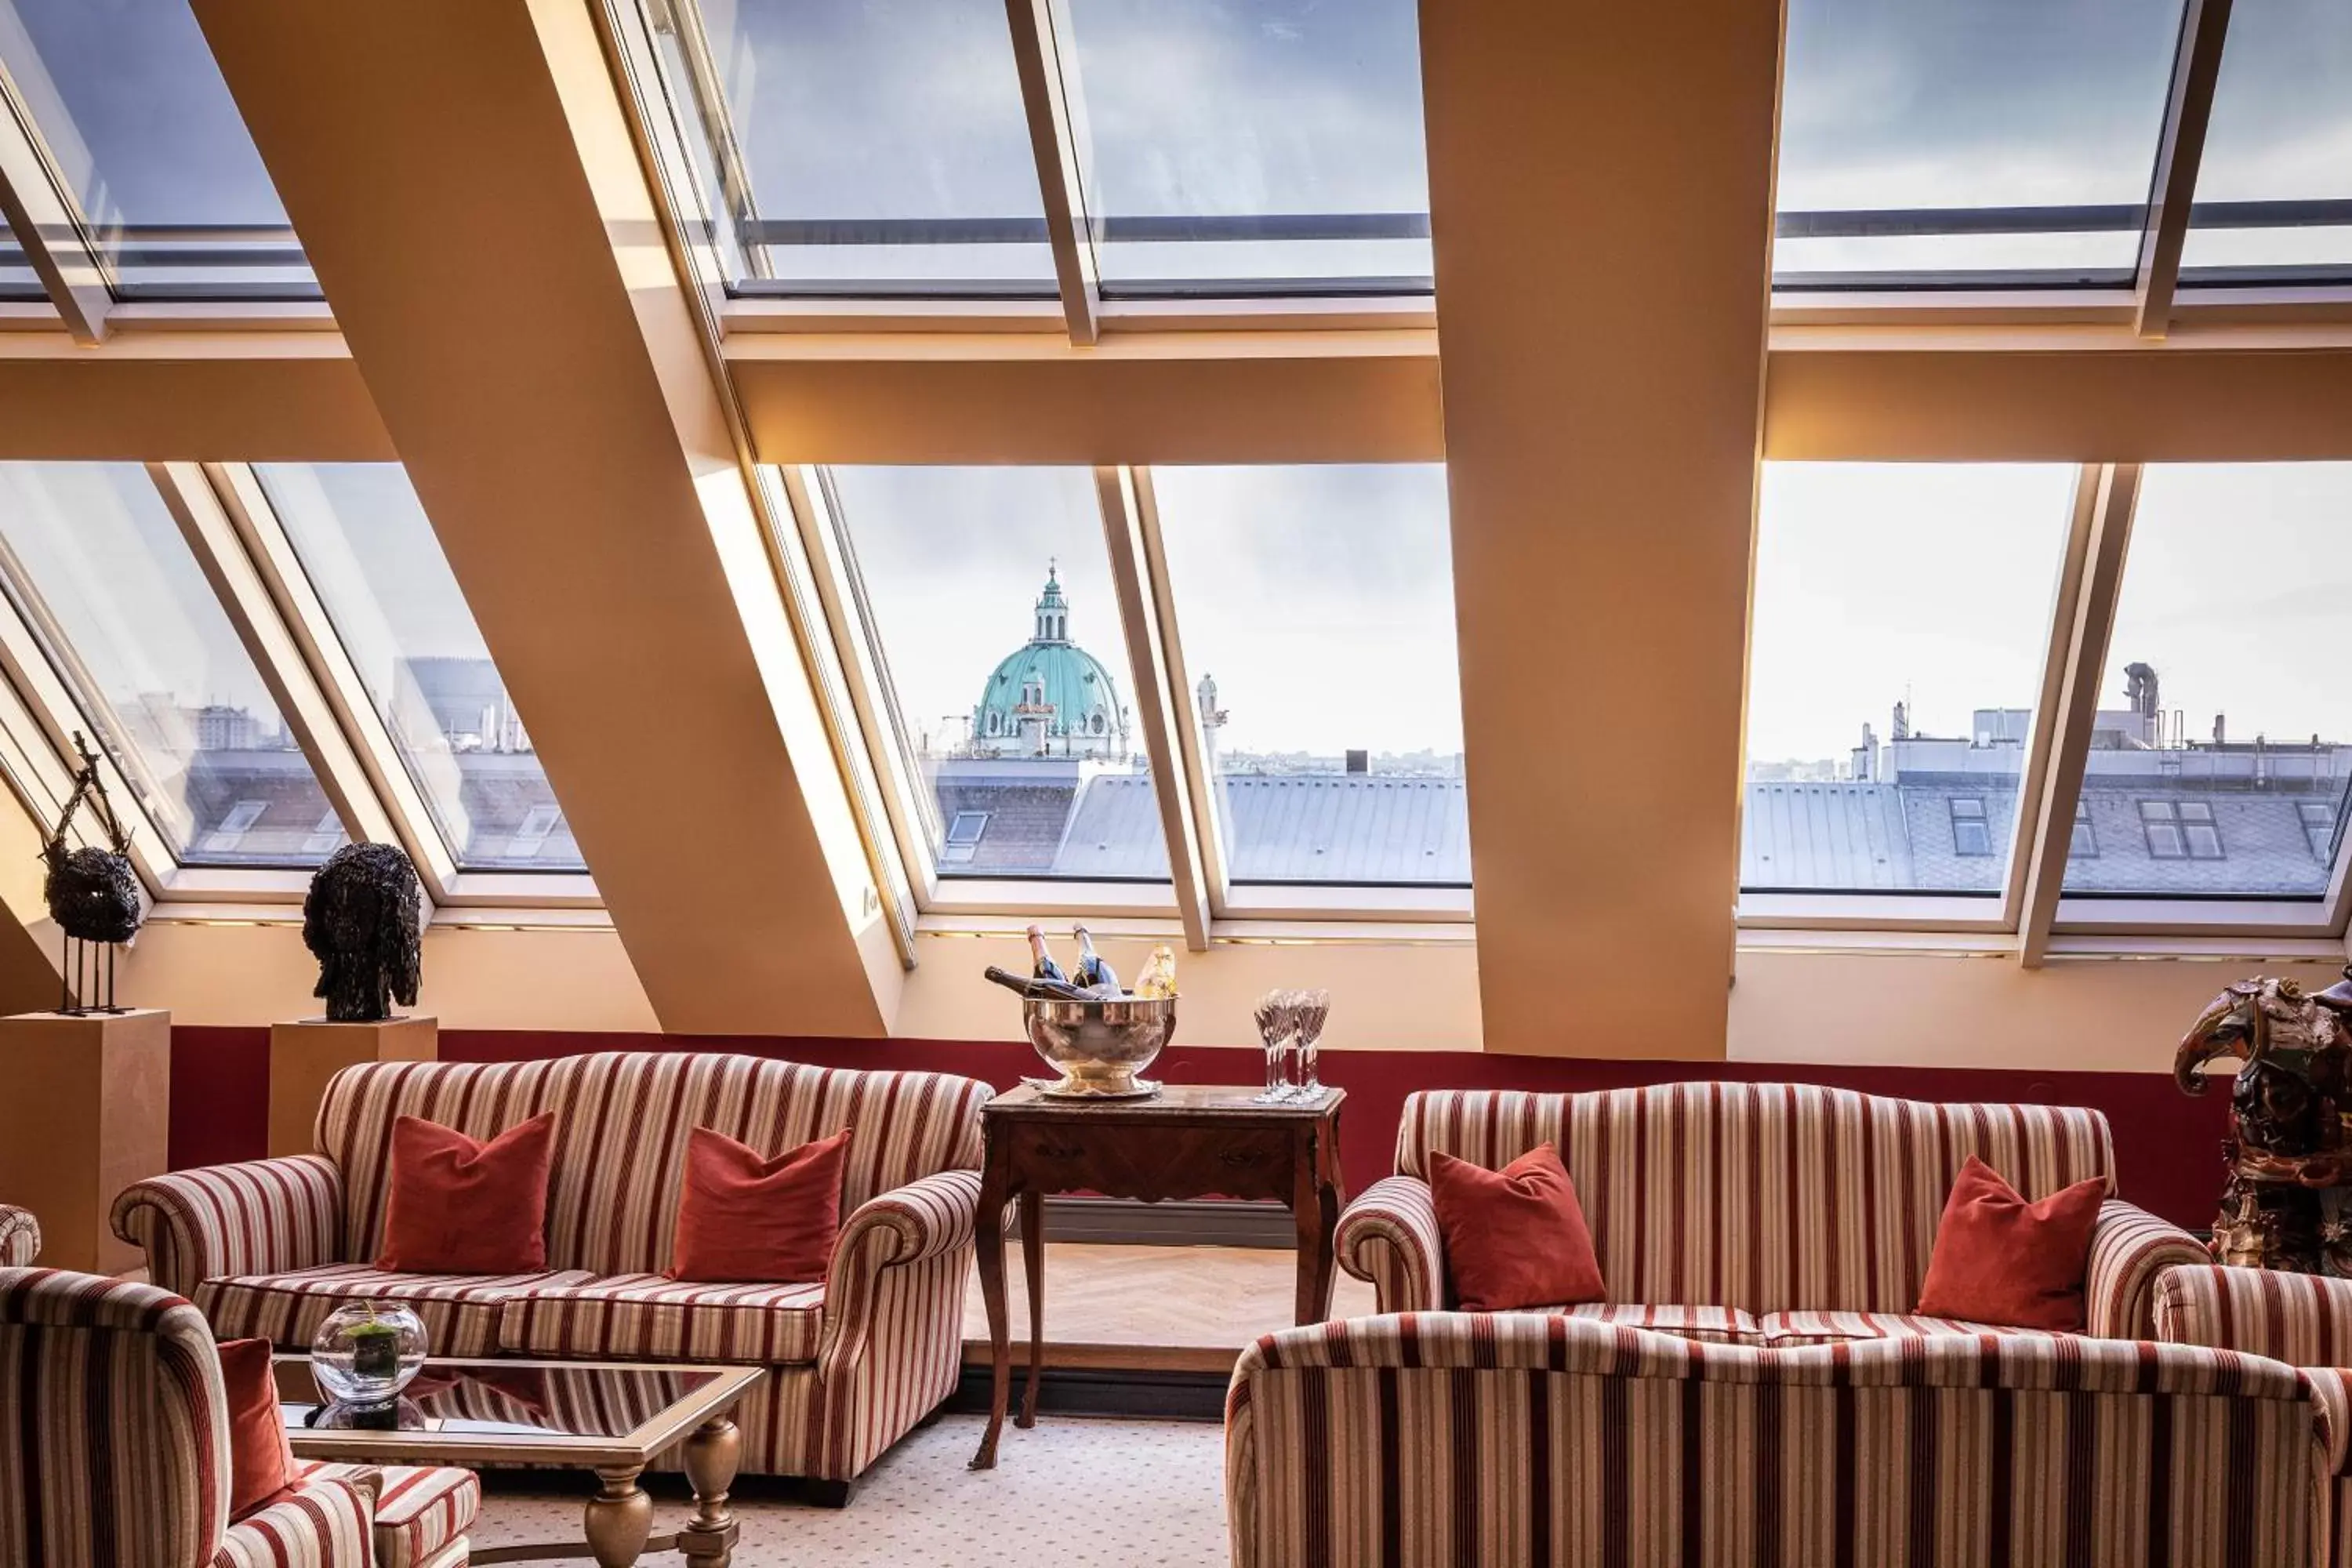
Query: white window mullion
(1157, 709)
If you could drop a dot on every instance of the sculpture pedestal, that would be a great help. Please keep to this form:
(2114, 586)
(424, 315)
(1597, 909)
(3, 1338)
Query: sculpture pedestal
(304, 1053)
(85, 1111)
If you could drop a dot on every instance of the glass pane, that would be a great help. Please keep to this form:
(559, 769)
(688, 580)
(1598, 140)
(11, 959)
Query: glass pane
(17, 279)
(97, 568)
(2218, 765)
(1316, 607)
(1969, 141)
(1250, 146)
(2274, 186)
(1913, 596)
(369, 552)
(992, 615)
(868, 147)
(146, 140)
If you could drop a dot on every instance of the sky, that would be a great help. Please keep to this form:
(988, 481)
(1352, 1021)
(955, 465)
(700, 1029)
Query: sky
(1320, 599)
(1937, 582)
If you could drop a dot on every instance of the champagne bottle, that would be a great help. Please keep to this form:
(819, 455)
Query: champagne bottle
(1035, 990)
(1093, 973)
(1041, 957)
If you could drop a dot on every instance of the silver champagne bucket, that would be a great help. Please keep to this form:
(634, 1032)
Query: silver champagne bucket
(1100, 1046)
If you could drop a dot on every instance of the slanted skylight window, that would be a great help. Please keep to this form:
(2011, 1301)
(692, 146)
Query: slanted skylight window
(1269, 147)
(1001, 660)
(1315, 607)
(370, 554)
(2274, 183)
(1942, 143)
(110, 592)
(145, 146)
(2215, 731)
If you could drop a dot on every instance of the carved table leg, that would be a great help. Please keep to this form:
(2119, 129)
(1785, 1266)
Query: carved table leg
(1315, 1217)
(712, 1455)
(620, 1519)
(1033, 1266)
(988, 1243)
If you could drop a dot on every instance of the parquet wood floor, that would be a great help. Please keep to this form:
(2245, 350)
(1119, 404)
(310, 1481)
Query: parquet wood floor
(1153, 1309)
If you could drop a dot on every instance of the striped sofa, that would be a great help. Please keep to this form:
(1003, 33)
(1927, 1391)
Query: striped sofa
(1761, 1214)
(115, 1450)
(271, 1246)
(2303, 1319)
(20, 1238)
(1471, 1440)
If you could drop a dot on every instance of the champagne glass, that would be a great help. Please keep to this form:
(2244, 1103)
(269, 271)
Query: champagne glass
(1272, 1016)
(1313, 1011)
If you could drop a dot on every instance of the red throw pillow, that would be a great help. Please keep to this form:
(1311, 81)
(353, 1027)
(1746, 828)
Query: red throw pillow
(459, 1206)
(745, 1218)
(1516, 1236)
(2000, 1260)
(260, 1464)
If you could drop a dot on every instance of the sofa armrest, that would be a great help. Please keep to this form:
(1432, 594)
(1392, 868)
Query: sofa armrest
(2130, 1249)
(20, 1238)
(1388, 1235)
(928, 1220)
(313, 1524)
(265, 1217)
(2303, 1319)
(2331, 1391)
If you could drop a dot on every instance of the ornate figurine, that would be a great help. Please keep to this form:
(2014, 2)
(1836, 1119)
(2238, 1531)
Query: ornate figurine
(2287, 1203)
(92, 893)
(362, 921)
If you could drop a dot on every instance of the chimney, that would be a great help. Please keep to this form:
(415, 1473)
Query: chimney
(2221, 729)
(1359, 762)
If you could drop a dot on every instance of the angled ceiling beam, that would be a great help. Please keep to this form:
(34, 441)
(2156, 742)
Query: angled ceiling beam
(2187, 110)
(468, 189)
(1601, 193)
(186, 397)
(1201, 397)
(2134, 403)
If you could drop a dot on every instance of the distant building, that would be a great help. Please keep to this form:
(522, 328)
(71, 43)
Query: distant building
(2158, 815)
(1049, 784)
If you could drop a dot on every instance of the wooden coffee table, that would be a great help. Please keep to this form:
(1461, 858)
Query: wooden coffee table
(1189, 1141)
(608, 1418)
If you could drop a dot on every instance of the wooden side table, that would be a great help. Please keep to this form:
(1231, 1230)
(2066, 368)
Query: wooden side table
(1188, 1142)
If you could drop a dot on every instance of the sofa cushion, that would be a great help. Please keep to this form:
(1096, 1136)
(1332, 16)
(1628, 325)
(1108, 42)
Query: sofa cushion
(1783, 1331)
(748, 1218)
(1515, 1238)
(419, 1511)
(653, 1318)
(457, 1204)
(259, 1462)
(460, 1311)
(2000, 1259)
(1715, 1325)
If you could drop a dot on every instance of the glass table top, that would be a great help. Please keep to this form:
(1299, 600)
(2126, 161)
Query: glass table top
(498, 1404)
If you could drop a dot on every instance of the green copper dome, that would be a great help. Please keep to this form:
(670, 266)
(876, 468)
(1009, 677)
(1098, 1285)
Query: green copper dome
(1050, 696)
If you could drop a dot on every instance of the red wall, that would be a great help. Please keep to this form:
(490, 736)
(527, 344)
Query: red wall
(2167, 1146)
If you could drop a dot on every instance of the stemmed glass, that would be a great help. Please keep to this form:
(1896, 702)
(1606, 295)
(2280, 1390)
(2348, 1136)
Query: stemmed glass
(1273, 1018)
(1309, 1012)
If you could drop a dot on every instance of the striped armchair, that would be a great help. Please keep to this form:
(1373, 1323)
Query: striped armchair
(1759, 1213)
(1461, 1440)
(270, 1247)
(115, 1450)
(20, 1238)
(2303, 1319)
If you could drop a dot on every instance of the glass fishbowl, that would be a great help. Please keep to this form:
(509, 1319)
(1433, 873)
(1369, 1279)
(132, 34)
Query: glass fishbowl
(366, 1352)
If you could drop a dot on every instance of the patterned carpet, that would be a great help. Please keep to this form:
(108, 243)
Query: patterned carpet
(1085, 1493)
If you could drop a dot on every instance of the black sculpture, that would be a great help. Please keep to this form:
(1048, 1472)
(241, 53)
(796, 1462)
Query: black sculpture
(92, 893)
(362, 920)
